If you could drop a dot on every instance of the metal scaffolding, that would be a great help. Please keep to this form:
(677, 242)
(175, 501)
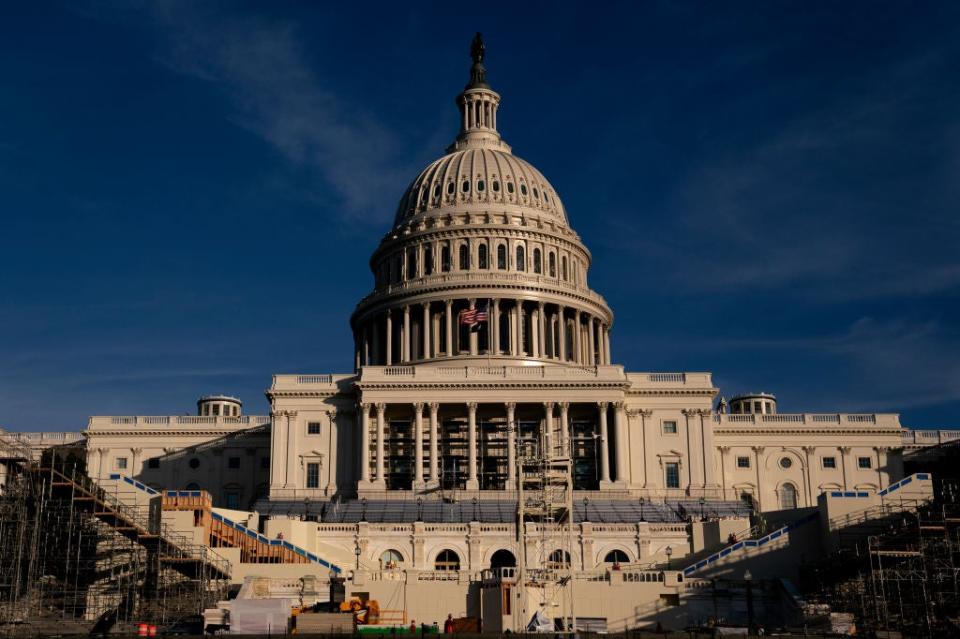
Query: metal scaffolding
(74, 556)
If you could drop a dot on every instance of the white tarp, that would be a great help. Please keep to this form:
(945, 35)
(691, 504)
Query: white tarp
(540, 623)
(260, 616)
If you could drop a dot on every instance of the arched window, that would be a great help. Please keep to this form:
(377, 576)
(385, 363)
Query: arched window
(447, 560)
(521, 258)
(428, 260)
(502, 257)
(788, 496)
(563, 267)
(558, 559)
(482, 257)
(445, 258)
(553, 264)
(464, 257)
(503, 559)
(537, 261)
(616, 557)
(391, 559)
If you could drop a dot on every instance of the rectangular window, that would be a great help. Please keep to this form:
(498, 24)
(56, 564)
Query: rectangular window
(265, 463)
(233, 462)
(216, 409)
(233, 501)
(864, 462)
(673, 474)
(313, 475)
(121, 463)
(313, 428)
(670, 427)
(829, 462)
(153, 462)
(743, 462)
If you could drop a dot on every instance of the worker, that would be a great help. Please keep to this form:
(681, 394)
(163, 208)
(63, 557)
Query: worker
(448, 625)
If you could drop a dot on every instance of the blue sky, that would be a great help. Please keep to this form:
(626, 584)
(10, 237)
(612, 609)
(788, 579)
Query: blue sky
(189, 192)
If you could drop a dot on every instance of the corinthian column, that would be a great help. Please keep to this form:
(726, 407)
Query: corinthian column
(472, 483)
(548, 429)
(418, 445)
(426, 330)
(511, 445)
(449, 328)
(621, 451)
(389, 357)
(381, 413)
(562, 324)
(405, 355)
(565, 427)
(577, 345)
(434, 443)
(365, 443)
(591, 340)
(542, 333)
(604, 450)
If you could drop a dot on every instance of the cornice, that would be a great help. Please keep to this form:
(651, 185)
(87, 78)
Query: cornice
(482, 385)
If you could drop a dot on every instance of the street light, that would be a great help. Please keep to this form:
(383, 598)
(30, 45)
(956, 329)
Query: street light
(702, 500)
(669, 552)
(748, 578)
(642, 500)
(356, 551)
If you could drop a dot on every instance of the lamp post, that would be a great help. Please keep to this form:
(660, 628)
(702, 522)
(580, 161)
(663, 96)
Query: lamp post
(748, 578)
(356, 552)
(586, 504)
(642, 500)
(702, 500)
(669, 552)
(419, 508)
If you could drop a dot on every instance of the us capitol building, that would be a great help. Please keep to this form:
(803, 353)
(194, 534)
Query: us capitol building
(482, 357)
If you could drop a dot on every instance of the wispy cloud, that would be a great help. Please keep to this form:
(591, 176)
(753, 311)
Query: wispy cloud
(281, 96)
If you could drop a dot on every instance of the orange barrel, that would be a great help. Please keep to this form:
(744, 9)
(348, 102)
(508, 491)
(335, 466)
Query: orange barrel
(141, 630)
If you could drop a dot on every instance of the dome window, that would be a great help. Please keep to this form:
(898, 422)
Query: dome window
(428, 260)
(546, 197)
(464, 257)
(523, 189)
(509, 187)
(553, 264)
(563, 267)
(436, 191)
(445, 258)
(496, 186)
(465, 187)
(482, 261)
(536, 193)
(502, 257)
(537, 261)
(450, 188)
(521, 258)
(481, 186)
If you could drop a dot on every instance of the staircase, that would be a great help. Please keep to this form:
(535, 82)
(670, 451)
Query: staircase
(173, 549)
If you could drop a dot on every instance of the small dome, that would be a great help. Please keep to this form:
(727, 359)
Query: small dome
(480, 177)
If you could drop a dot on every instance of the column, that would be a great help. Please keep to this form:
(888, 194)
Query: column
(425, 328)
(648, 449)
(473, 337)
(389, 358)
(706, 424)
(577, 348)
(562, 325)
(621, 452)
(542, 334)
(723, 450)
(511, 445)
(418, 445)
(547, 438)
(591, 343)
(449, 328)
(881, 464)
(604, 449)
(694, 454)
(366, 345)
(333, 458)
(515, 329)
(405, 356)
(843, 464)
(434, 443)
(495, 327)
(606, 344)
(375, 330)
(810, 452)
(472, 483)
(381, 412)
(565, 427)
(290, 480)
(757, 451)
(534, 333)
(435, 320)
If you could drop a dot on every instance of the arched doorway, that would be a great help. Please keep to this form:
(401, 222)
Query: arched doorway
(788, 496)
(503, 559)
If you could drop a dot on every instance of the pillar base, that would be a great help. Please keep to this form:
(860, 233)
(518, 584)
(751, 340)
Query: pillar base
(370, 486)
(611, 484)
(472, 484)
(419, 484)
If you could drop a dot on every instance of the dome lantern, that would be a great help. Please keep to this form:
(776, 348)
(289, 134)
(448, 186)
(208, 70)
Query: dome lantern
(478, 105)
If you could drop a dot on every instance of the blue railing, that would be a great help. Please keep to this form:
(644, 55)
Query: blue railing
(272, 542)
(903, 482)
(849, 493)
(136, 484)
(749, 543)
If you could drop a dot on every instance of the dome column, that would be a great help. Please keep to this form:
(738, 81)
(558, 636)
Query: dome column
(534, 333)
(473, 337)
(514, 329)
(389, 357)
(365, 444)
(494, 332)
(449, 328)
(426, 330)
(577, 338)
(606, 343)
(541, 332)
(603, 444)
(375, 339)
(592, 340)
(405, 354)
(434, 444)
(562, 322)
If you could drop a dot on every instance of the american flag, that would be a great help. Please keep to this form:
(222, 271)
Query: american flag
(473, 316)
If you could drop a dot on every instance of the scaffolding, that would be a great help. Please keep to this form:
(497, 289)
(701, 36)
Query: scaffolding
(905, 579)
(545, 527)
(75, 557)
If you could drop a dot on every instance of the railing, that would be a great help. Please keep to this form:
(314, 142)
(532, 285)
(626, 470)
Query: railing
(903, 482)
(744, 544)
(886, 419)
(445, 373)
(282, 544)
(136, 484)
(929, 437)
(667, 377)
(12, 449)
(181, 420)
(872, 513)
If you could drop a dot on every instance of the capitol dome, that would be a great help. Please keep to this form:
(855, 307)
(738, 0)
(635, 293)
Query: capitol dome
(481, 261)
